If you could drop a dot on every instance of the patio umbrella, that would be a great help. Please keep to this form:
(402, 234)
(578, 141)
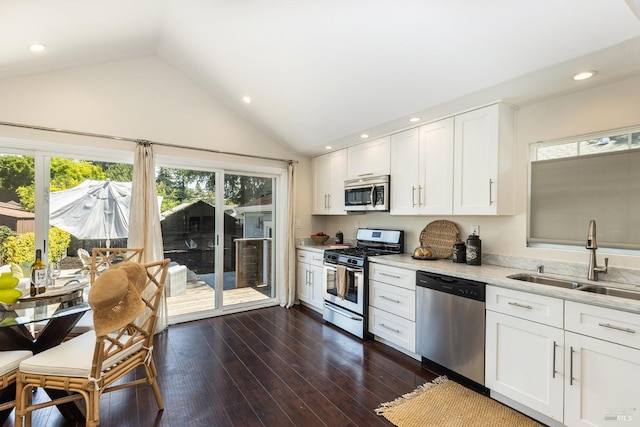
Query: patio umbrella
(92, 210)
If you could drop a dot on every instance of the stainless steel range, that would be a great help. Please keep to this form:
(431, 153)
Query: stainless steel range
(346, 290)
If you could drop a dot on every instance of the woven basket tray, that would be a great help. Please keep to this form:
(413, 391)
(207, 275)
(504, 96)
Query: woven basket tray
(440, 236)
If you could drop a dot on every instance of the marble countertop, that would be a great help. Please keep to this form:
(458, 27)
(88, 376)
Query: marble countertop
(495, 275)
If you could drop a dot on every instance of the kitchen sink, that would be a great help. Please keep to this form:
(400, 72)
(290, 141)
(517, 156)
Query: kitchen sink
(614, 292)
(558, 283)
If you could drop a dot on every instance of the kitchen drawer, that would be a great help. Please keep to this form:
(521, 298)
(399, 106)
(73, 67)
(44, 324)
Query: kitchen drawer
(608, 324)
(393, 275)
(393, 299)
(309, 257)
(395, 329)
(537, 308)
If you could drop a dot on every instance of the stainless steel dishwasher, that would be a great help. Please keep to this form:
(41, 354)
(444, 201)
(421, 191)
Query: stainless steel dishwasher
(450, 323)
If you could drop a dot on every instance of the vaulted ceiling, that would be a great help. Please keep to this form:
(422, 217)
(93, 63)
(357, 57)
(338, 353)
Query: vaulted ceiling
(323, 72)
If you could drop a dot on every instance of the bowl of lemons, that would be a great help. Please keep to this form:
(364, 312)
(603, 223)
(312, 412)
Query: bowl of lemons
(8, 292)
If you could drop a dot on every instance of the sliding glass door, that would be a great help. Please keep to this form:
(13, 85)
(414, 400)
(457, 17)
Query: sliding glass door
(218, 226)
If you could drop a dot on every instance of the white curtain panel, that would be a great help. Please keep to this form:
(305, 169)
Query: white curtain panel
(289, 285)
(144, 221)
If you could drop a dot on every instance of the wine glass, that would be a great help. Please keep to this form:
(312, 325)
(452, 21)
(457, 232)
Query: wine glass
(53, 272)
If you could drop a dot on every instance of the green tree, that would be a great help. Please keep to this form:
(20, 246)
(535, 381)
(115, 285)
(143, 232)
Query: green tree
(65, 174)
(120, 172)
(15, 172)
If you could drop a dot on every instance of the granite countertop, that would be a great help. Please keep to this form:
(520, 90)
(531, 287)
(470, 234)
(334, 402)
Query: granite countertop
(495, 275)
(318, 248)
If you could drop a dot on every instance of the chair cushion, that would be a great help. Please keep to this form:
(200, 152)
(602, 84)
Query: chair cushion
(72, 358)
(85, 324)
(10, 360)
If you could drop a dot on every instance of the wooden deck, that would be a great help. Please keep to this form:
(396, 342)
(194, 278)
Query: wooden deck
(201, 297)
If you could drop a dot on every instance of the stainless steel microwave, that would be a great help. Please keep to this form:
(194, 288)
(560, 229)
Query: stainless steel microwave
(367, 194)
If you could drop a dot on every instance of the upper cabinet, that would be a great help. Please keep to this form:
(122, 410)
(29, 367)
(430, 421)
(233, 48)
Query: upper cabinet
(369, 159)
(329, 174)
(422, 170)
(483, 167)
(461, 165)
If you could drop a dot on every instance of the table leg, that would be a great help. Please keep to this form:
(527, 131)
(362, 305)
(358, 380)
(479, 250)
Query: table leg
(52, 334)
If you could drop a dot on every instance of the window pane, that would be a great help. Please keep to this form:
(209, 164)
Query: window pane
(567, 193)
(605, 144)
(252, 203)
(17, 217)
(557, 151)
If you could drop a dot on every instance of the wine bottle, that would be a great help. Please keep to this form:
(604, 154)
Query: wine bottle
(38, 275)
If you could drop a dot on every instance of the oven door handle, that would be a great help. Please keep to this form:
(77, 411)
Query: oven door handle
(354, 270)
(342, 312)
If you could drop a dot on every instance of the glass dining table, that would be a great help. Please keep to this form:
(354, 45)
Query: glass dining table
(39, 323)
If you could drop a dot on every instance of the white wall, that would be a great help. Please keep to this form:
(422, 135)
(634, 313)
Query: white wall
(612, 106)
(141, 98)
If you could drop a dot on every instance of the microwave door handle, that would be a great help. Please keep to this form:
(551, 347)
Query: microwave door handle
(373, 196)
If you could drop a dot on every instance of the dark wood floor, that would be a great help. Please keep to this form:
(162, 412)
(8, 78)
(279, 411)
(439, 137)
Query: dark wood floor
(267, 367)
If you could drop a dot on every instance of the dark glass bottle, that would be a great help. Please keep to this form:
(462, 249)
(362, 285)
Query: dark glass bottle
(474, 250)
(38, 275)
(459, 252)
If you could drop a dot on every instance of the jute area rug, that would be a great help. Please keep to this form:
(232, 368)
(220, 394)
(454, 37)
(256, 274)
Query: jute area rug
(444, 403)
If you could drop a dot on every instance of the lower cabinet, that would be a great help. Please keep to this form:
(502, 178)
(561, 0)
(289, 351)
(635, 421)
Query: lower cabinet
(524, 349)
(309, 279)
(601, 374)
(524, 362)
(392, 305)
(583, 374)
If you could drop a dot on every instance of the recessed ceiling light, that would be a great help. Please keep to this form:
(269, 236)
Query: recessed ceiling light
(414, 119)
(246, 99)
(364, 135)
(583, 75)
(37, 47)
(328, 147)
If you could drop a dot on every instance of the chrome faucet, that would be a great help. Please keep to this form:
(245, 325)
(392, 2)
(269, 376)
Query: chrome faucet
(593, 261)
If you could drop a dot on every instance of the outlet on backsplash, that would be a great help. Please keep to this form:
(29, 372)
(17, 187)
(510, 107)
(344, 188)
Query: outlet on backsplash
(475, 229)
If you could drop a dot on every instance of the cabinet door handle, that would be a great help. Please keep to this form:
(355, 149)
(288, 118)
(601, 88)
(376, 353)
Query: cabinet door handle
(329, 201)
(413, 196)
(553, 374)
(325, 201)
(389, 275)
(397, 301)
(528, 307)
(382, 325)
(571, 366)
(490, 191)
(419, 195)
(617, 328)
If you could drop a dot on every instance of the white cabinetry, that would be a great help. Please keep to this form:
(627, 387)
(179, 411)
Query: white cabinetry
(392, 305)
(369, 159)
(602, 370)
(524, 349)
(309, 284)
(484, 162)
(422, 170)
(583, 375)
(329, 174)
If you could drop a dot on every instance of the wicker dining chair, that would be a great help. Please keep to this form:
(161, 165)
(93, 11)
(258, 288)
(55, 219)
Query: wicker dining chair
(89, 365)
(103, 258)
(9, 362)
(100, 260)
